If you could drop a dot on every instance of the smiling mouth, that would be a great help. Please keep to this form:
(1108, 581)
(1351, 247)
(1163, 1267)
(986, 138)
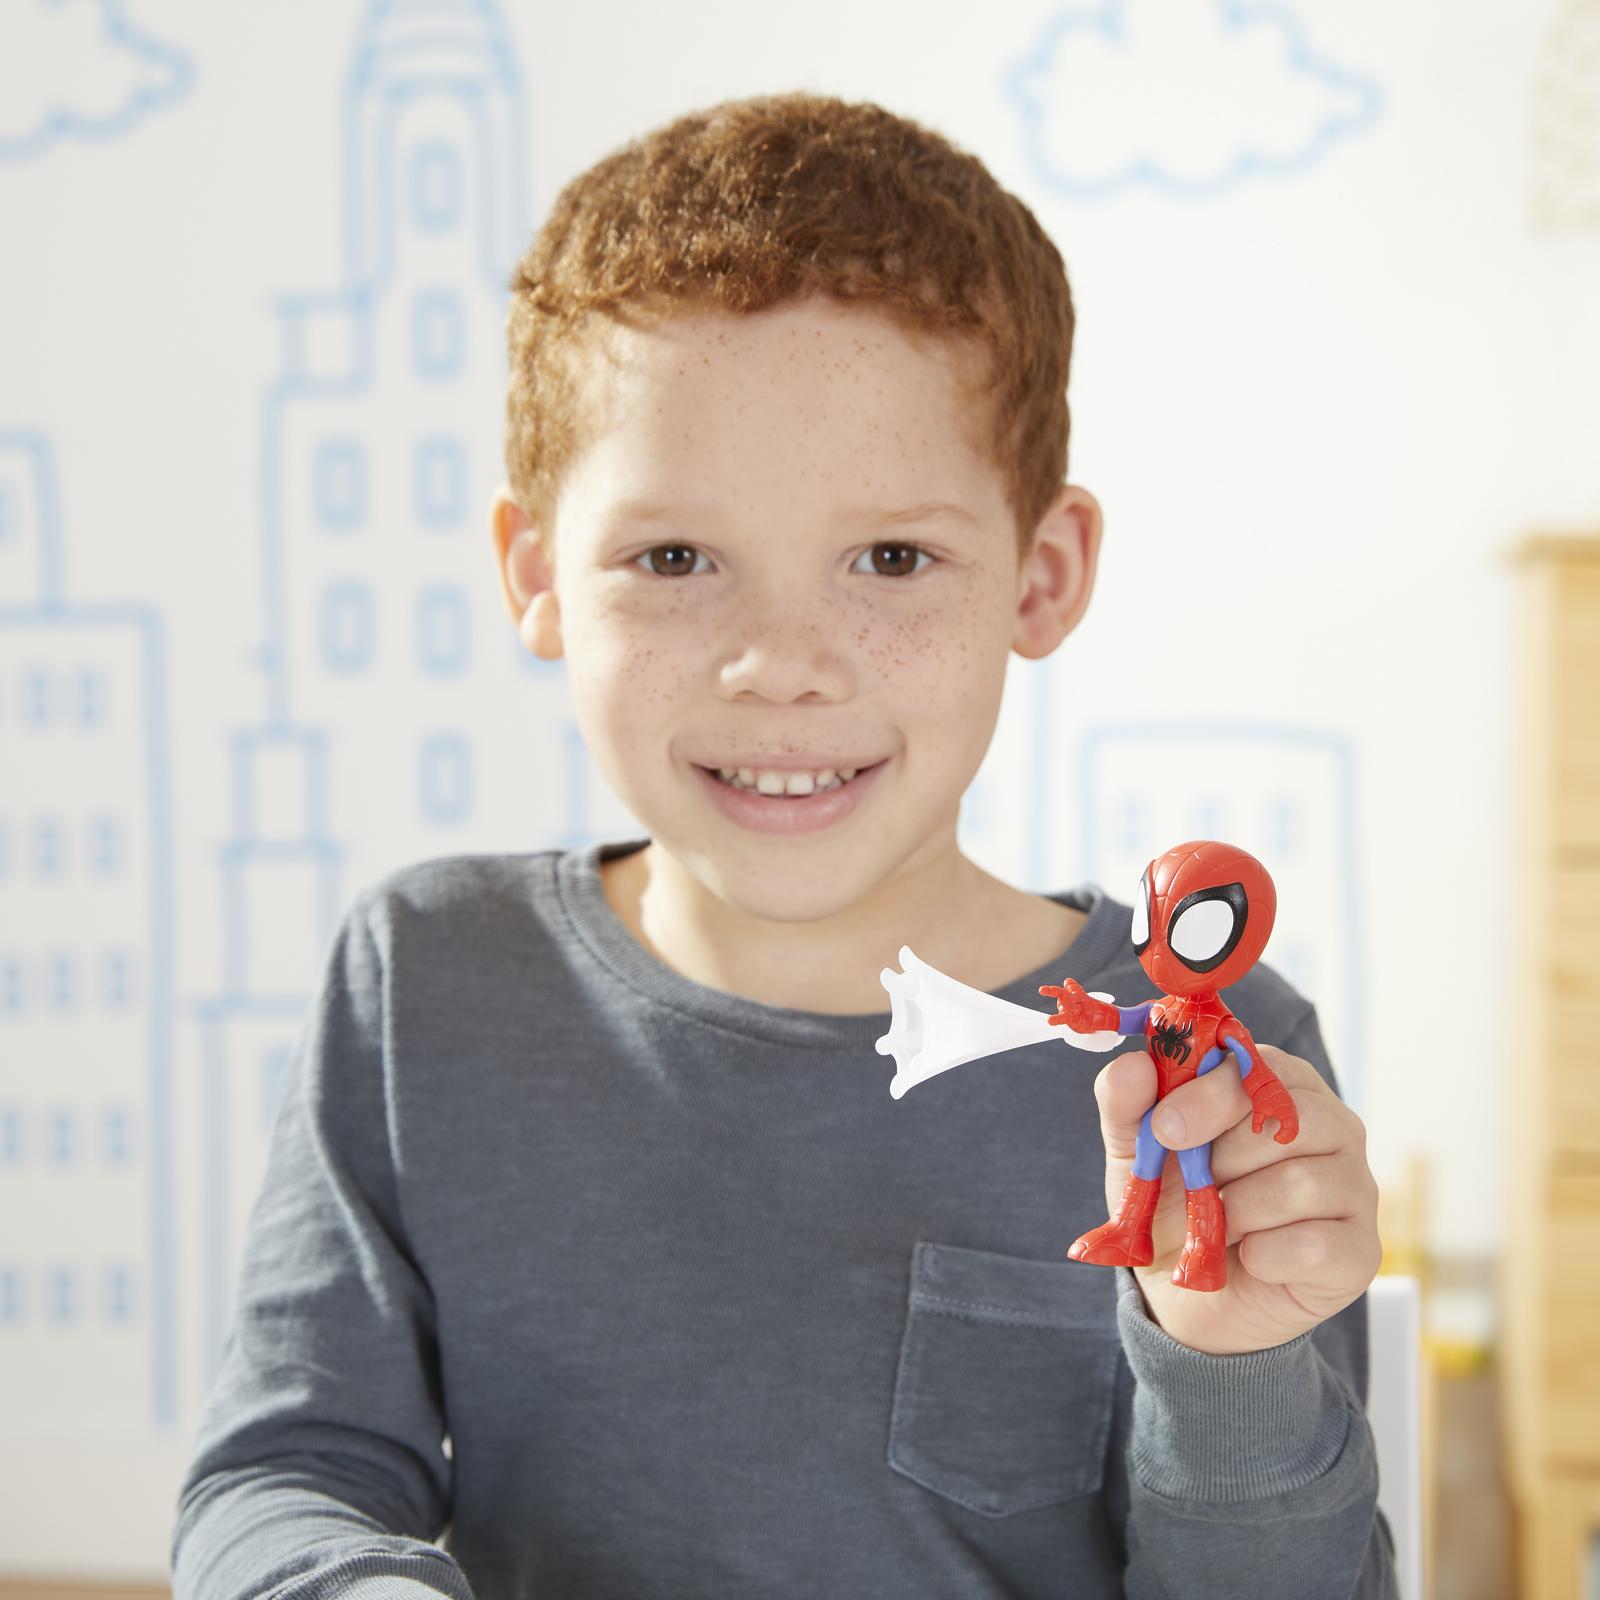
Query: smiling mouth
(786, 783)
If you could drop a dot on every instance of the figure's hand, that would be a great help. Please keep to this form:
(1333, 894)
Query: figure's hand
(1269, 1098)
(1079, 1011)
(1302, 1218)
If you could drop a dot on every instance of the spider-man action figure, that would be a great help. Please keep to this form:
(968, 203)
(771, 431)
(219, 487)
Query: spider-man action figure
(1202, 918)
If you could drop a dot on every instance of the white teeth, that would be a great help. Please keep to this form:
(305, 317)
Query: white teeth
(776, 781)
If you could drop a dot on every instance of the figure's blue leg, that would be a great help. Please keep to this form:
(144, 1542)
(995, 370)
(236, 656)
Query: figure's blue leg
(1195, 1165)
(1149, 1154)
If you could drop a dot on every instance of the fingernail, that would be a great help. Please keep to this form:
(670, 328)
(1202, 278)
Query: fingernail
(1169, 1128)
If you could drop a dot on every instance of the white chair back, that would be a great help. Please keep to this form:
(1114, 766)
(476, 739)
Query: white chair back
(1394, 1408)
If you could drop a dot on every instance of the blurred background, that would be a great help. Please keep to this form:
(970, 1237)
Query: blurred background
(1336, 385)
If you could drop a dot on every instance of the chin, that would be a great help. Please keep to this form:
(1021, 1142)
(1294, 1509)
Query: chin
(776, 892)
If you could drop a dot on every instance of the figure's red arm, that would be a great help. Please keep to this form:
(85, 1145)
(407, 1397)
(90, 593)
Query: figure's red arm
(1268, 1097)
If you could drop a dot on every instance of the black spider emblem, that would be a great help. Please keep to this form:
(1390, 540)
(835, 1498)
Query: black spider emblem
(1172, 1041)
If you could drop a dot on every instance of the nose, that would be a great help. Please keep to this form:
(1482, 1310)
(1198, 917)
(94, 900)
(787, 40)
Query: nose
(786, 658)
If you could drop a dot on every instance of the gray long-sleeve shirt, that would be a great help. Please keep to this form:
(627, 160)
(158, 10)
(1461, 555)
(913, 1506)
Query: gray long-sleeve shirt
(704, 1311)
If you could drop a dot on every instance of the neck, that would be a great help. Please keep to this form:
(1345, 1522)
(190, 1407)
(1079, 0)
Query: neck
(955, 916)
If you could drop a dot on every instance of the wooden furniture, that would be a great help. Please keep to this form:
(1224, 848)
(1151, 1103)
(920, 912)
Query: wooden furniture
(1550, 1287)
(61, 1589)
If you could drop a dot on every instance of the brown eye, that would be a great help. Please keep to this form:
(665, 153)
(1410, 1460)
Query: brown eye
(895, 560)
(670, 560)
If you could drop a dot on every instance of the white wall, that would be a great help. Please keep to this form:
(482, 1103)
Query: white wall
(1339, 344)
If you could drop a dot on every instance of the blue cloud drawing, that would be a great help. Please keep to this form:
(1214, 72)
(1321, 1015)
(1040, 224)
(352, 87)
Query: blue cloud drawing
(1190, 98)
(79, 69)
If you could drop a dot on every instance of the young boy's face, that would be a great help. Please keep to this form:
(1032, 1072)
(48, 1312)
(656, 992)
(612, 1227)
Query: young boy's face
(729, 591)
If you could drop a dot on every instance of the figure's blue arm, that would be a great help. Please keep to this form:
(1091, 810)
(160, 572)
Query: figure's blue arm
(1131, 1019)
(1240, 1054)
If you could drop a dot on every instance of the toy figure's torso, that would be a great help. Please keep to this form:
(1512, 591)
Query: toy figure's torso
(1180, 1030)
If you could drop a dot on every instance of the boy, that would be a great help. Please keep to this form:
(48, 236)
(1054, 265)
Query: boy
(588, 1160)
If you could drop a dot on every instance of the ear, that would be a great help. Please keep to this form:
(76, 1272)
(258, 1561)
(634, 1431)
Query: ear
(527, 577)
(1057, 577)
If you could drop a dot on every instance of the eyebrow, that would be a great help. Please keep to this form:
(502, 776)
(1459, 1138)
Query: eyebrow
(924, 511)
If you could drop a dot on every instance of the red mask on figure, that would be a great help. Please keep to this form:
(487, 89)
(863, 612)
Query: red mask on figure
(1202, 917)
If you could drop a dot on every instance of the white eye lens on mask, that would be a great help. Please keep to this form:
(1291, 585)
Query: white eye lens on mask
(1201, 931)
(1141, 916)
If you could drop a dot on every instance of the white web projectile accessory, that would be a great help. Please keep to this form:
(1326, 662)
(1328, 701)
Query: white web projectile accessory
(938, 1022)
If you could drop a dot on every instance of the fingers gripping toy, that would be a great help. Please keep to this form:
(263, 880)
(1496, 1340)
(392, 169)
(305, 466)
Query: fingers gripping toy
(1201, 919)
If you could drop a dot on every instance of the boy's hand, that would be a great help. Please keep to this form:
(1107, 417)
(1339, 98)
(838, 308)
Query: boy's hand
(1302, 1218)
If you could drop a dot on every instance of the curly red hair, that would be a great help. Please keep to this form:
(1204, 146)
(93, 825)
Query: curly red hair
(758, 201)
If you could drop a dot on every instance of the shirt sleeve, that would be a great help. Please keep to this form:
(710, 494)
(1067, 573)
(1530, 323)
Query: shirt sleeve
(1253, 1474)
(318, 1466)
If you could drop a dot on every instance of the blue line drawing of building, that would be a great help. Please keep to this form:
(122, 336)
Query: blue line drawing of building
(402, 717)
(86, 942)
(1287, 795)
(71, 54)
(1237, 91)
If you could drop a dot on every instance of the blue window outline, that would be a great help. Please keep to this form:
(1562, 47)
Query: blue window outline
(10, 522)
(438, 333)
(346, 625)
(103, 848)
(439, 482)
(34, 688)
(49, 856)
(116, 1139)
(11, 1296)
(61, 1142)
(13, 987)
(116, 978)
(435, 186)
(63, 981)
(90, 697)
(444, 630)
(10, 1136)
(116, 1287)
(1286, 823)
(61, 1295)
(444, 778)
(339, 484)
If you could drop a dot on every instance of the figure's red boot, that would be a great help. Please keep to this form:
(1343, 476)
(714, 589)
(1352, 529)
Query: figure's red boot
(1124, 1241)
(1204, 1262)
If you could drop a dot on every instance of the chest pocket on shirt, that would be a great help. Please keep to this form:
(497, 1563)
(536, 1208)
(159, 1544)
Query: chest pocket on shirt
(1003, 1394)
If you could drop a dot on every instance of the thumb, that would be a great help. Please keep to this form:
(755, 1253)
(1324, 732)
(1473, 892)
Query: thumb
(1124, 1090)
